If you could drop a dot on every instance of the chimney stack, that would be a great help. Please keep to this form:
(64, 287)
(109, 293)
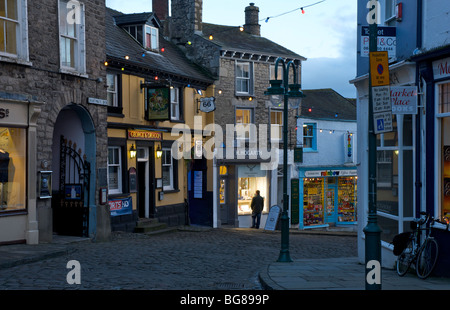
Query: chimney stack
(160, 8)
(252, 25)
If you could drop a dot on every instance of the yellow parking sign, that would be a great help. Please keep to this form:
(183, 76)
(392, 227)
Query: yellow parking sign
(379, 68)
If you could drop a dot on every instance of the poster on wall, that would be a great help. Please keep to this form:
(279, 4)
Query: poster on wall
(158, 103)
(120, 206)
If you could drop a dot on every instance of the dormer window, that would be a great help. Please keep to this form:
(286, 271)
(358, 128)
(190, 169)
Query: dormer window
(147, 38)
(151, 37)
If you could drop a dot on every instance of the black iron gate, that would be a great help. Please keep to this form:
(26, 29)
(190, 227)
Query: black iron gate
(71, 204)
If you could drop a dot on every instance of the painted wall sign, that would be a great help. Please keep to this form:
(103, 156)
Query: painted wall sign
(144, 135)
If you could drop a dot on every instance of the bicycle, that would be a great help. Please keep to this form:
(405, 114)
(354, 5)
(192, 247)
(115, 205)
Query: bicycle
(424, 255)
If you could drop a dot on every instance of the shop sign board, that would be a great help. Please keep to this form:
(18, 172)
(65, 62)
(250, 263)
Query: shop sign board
(404, 99)
(441, 68)
(272, 217)
(329, 173)
(386, 40)
(144, 135)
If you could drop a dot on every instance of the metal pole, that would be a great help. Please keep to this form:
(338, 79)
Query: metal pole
(284, 252)
(372, 231)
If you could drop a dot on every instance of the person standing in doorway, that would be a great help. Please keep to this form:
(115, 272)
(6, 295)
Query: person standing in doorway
(257, 208)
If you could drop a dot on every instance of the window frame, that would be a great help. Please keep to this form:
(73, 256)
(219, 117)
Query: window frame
(249, 80)
(248, 132)
(148, 44)
(175, 104)
(313, 138)
(79, 64)
(119, 189)
(278, 127)
(21, 35)
(171, 185)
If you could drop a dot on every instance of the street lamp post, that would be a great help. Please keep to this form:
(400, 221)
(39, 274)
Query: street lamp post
(281, 92)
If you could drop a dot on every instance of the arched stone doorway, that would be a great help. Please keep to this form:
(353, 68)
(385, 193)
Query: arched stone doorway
(73, 165)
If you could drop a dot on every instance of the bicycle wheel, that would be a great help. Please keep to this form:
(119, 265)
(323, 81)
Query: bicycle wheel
(405, 259)
(427, 258)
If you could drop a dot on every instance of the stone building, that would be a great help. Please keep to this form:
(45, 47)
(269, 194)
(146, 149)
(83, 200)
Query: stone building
(242, 63)
(53, 95)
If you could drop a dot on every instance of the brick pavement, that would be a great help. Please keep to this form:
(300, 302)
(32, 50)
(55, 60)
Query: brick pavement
(213, 259)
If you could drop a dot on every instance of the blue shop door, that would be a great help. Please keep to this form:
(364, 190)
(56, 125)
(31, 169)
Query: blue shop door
(199, 199)
(330, 201)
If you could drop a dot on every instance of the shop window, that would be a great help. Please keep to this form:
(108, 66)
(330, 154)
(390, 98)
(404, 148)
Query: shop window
(444, 107)
(313, 210)
(250, 179)
(347, 199)
(114, 170)
(309, 137)
(222, 191)
(13, 161)
(72, 37)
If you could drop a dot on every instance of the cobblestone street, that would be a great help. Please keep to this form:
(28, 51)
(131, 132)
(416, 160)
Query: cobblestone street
(223, 259)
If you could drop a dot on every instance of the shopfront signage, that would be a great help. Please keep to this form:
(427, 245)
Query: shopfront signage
(348, 147)
(404, 99)
(144, 135)
(329, 173)
(386, 40)
(441, 68)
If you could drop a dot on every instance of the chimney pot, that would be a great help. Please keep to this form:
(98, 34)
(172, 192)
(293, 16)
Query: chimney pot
(252, 25)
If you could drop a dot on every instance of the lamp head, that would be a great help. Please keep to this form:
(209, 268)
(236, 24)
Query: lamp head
(275, 93)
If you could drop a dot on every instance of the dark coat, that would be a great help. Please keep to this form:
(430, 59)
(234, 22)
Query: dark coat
(257, 204)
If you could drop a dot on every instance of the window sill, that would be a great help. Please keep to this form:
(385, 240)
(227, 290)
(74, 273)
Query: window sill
(309, 151)
(73, 72)
(15, 60)
(170, 191)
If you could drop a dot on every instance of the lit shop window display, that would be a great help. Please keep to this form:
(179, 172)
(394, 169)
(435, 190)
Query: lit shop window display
(12, 169)
(347, 199)
(313, 211)
(250, 179)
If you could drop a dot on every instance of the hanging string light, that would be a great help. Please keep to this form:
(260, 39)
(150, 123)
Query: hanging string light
(300, 8)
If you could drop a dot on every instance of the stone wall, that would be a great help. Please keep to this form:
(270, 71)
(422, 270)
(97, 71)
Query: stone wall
(43, 82)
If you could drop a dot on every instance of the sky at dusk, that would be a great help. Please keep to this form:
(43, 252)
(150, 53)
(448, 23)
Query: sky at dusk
(325, 33)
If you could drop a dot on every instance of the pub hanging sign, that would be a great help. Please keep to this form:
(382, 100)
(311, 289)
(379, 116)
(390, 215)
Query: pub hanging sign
(157, 105)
